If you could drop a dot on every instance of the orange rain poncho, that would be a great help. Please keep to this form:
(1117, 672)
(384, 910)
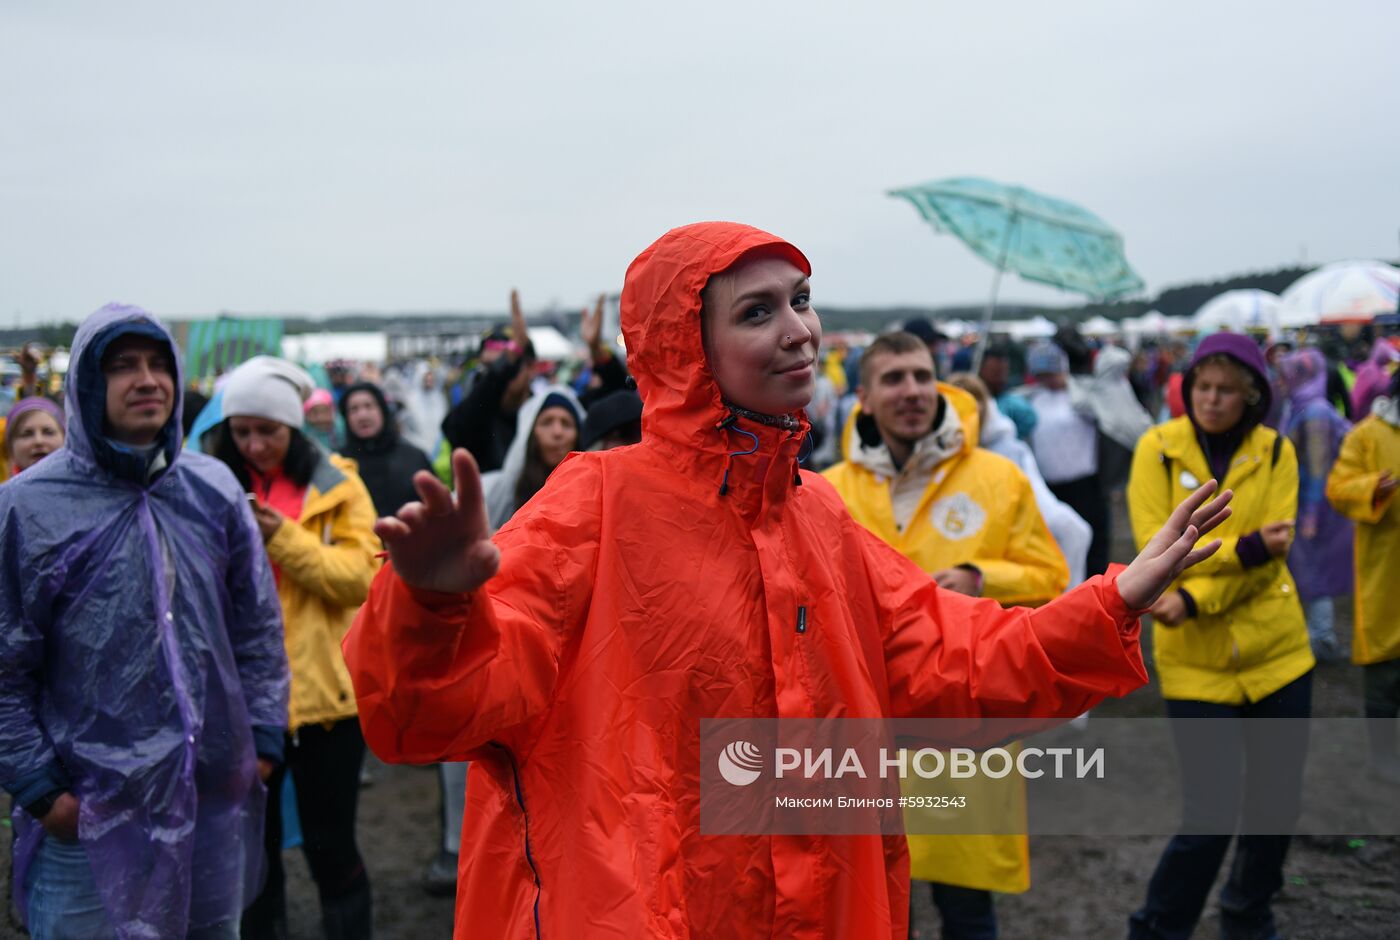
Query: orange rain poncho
(635, 599)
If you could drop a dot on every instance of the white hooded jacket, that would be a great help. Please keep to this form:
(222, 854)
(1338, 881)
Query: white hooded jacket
(498, 486)
(1069, 529)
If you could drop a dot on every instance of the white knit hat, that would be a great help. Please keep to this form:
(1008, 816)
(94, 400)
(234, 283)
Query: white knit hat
(267, 387)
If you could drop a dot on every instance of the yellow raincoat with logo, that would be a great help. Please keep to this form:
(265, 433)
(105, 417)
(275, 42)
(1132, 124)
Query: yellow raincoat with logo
(1372, 446)
(1249, 638)
(978, 508)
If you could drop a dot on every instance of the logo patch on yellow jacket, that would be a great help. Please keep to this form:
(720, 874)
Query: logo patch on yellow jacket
(957, 516)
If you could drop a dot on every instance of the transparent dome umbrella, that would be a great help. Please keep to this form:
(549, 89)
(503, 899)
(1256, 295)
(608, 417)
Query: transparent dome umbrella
(1343, 292)
(1240, 311)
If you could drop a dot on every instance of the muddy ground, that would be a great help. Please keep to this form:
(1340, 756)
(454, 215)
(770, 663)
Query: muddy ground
(1338, 887)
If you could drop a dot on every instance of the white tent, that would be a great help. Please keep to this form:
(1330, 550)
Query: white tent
(1151, 323)
(1037, 327)
(551, 345)
(956, 328)
(1099, 326)
(322, 347)
(1343, 292)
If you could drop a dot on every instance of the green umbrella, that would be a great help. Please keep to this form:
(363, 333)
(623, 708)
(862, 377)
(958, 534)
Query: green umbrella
(1040, 238)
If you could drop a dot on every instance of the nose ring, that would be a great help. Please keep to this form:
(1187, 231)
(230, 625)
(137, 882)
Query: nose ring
(788, 339)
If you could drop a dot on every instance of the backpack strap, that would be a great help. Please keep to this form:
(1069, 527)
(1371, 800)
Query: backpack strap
(1278, 448)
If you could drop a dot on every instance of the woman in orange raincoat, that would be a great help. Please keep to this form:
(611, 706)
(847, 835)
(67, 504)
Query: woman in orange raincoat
(699, 574)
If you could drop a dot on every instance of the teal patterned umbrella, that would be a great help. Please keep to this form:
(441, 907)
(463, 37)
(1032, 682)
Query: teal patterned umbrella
(1038, 237)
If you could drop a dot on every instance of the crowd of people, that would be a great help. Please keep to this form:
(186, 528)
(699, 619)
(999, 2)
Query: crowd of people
(541, 578)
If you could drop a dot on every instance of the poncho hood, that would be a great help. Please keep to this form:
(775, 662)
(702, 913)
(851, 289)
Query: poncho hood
(86, 393)
(1305, 376)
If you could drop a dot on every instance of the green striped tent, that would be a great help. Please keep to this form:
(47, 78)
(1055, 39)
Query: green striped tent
(215, 346)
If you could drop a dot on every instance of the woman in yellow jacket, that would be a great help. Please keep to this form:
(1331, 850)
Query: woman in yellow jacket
(1362, 486)
(1231, 645)
(316, 519)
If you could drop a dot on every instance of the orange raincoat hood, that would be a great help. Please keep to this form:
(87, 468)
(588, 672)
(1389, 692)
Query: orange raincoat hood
(636, 597)
(661, 323)
(682, 404)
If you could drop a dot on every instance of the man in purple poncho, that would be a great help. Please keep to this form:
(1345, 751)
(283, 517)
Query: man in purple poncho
(143, 679)
(1321, 556)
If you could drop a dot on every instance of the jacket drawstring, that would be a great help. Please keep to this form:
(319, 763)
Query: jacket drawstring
(803, 452)
(728, 424)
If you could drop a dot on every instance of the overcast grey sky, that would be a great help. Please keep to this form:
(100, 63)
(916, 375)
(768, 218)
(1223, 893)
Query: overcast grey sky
(316, 157)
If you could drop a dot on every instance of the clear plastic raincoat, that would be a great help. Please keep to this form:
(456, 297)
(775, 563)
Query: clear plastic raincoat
(140, 643)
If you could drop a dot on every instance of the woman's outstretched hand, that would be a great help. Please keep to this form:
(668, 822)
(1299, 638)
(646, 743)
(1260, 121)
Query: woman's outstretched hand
(1171, 551)
(443, 543)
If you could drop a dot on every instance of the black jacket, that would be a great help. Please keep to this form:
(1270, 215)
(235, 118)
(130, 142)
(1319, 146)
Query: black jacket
(386, 461)
(477, 422)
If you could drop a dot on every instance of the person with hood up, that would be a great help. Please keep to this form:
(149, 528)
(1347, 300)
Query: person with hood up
(1373, 375)
(316, 519)
(1108, 397)
(915, 477)
(1320, 558)
(548, 430)
(1230, 645)
(320, 424)
(998, 435)
(33, 429)
(424, 402)
(143, 681)
(697, 574)
(1362, 485)
(385, 461)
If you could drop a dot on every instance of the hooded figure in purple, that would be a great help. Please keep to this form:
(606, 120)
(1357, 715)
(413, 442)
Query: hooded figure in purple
(1373, 376)
(142, 666)
(1321, 557)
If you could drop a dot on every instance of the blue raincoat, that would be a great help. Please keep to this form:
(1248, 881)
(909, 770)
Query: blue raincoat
(140, 645)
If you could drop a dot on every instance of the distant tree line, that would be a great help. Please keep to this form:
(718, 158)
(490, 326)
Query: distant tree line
(1180, 301)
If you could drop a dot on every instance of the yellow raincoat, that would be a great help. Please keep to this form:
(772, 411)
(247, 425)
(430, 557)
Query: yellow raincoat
(327, 559)
(1249, 638)
(1372, 446)
(979, 509)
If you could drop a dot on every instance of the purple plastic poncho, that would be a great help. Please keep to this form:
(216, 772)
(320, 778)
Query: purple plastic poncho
(1373, 377)
(1320, 558)
(140, 642)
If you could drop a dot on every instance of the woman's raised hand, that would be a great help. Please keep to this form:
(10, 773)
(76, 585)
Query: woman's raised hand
(1171, 551)
(443, 543)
